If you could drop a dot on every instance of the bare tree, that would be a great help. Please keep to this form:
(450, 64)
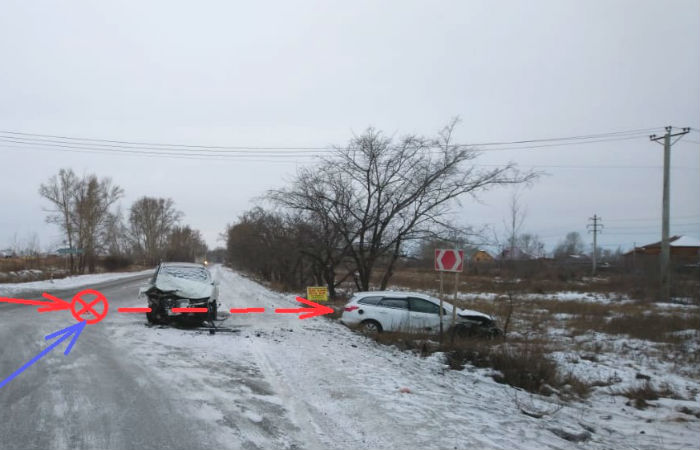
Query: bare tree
(115, 234)
(93, 199)
(379, 195)
(516, 218)
(185, 244)
(81, 207)
(571, 245)
(150, 222)
(531, 245)
(60, 191)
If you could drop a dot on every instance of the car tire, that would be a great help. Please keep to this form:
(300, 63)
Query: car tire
(370, 327)
(154, 317)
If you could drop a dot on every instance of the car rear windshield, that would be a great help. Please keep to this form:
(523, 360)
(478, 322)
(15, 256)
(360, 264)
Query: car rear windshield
(188, 273)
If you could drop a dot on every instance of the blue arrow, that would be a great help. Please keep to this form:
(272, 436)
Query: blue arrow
(73, 330)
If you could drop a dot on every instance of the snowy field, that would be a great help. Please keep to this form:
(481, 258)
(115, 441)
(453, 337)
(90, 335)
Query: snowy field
(287, 383)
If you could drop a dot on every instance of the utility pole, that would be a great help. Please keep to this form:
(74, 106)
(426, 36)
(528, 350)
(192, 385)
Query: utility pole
(666, 207)
(595, 228)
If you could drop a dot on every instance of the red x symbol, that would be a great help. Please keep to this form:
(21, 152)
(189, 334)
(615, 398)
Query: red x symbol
(80, 306)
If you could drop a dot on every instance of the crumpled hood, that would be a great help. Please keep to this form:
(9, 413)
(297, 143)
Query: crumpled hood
(469, 312)
(182, 287)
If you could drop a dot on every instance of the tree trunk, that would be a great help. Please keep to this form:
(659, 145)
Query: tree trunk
(390, 267)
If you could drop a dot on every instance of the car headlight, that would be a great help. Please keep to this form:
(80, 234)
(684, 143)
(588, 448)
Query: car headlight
(198, 302)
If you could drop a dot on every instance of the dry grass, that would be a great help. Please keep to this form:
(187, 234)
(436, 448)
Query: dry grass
(540, 277)
(636, 320)
(641, 394)
(524, 364)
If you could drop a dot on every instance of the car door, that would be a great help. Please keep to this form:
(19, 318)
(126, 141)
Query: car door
(392, 313)
(423, 315)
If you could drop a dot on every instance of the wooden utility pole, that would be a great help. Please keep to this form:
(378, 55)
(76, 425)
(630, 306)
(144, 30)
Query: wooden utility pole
(665, 256)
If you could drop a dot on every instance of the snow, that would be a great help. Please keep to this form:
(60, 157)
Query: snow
(685, 241)
(8, 289)
(588, 297)
(281, 382)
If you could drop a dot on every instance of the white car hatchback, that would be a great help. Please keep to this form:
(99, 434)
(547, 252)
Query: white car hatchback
(377, 311)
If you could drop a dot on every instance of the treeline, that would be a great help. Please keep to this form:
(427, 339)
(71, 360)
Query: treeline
(357, 211)
(85, 209)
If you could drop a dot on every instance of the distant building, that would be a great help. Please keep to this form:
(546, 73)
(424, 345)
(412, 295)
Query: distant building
(482, 256)
(682, 247)
(514, 253)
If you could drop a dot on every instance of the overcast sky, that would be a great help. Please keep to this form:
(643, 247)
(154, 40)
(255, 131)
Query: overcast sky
(294, 73)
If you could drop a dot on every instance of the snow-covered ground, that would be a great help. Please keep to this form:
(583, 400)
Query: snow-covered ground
(8, 289)
(281, 382)
(588, 297)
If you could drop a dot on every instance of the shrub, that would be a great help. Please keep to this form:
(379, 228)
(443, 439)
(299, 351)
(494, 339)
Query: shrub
(642, 393)
(525, 366)
(116, 262)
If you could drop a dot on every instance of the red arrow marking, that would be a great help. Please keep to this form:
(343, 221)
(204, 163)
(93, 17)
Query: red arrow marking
(54, 303)
(315, 310)
(190, 310)
(134, 310)
(80, 306)
(246, 310)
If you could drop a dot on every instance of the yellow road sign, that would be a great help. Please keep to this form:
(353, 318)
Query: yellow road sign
(317, 293)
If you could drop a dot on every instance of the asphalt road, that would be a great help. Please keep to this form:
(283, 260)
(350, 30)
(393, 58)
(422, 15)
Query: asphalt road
(92, 398)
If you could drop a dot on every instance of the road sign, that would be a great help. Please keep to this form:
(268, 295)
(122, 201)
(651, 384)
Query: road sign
(449, 260)
(317, 293)
(69, 251)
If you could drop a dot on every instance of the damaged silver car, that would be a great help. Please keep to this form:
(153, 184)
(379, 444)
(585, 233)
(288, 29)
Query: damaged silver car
(181, 291)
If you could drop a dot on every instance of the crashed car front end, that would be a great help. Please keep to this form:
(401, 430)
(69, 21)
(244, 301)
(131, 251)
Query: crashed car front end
(475, 323)
(171, 297)
(169, 304)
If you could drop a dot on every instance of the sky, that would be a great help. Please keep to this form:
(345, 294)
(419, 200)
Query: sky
(312, 74)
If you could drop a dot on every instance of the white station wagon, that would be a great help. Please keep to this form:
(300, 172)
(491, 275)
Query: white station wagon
(378, 311)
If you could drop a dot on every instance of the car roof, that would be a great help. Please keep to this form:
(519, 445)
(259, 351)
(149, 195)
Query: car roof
(391, 293)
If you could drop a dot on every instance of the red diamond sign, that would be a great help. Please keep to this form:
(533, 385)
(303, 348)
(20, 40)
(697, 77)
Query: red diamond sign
(449, 260)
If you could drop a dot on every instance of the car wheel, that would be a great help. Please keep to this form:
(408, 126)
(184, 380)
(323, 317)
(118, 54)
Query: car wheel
(154, 315)
(370, 327)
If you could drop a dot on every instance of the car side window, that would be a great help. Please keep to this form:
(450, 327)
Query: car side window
(369, 300)
(423, 306)
(396, 303)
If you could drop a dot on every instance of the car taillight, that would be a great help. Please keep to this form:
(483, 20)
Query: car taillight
(351, 308)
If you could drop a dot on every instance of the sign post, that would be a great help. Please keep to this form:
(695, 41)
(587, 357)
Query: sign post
(449, 260)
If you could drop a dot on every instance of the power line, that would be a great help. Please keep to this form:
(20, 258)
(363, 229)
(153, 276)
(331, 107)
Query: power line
(613, 134)
(644, 219)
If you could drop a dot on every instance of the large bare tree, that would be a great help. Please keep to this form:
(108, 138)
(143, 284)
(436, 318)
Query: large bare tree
(150, 222)
(378, 195)
(60, 191)
(81, 207)
(93, 199)
(185, 244)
